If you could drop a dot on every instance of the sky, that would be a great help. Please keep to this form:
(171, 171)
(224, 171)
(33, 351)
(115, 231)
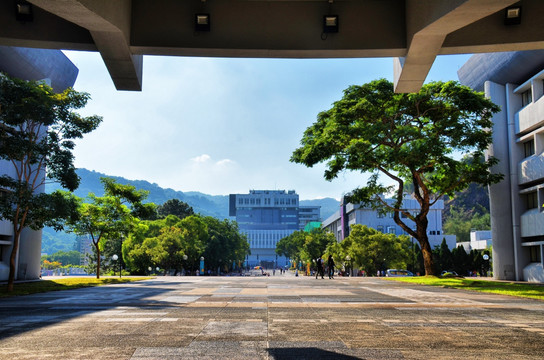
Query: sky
(222, 126)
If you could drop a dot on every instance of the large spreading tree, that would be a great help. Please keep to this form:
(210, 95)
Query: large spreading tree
(37, 129)
(417, 138)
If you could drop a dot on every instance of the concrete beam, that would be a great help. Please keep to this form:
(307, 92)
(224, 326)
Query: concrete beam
(109, 24)
(428, 22)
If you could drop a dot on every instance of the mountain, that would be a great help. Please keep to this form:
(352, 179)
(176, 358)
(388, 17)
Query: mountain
(207, 205)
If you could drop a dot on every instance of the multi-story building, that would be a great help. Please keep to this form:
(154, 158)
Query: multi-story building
(308, 214)
(515, 82)
(58, 71)
(350, 214)
(266, 216)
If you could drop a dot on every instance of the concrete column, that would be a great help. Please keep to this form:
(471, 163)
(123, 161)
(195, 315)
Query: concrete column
(521, 254)
(499, 199)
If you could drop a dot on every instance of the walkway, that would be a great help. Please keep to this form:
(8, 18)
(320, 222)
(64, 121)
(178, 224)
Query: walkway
(276, 317)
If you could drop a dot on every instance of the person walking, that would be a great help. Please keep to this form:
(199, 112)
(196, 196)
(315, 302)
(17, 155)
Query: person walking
(320, 269)
(330, 262)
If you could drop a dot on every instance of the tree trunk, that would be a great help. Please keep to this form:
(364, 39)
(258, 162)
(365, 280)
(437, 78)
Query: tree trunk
(427, 256)
(11, 277)
(97, 261)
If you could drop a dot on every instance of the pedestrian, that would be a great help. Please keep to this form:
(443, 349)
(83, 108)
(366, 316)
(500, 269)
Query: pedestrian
(330, 262)
(320, 269)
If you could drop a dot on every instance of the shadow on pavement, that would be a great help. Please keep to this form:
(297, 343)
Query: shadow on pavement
(309, 353)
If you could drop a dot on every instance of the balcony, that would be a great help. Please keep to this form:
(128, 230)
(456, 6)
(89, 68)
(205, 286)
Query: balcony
(530, 117)
(6, 228)
(531, 169)
(532, 223)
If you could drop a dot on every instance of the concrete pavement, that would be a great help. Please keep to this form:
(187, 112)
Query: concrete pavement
(276, 317)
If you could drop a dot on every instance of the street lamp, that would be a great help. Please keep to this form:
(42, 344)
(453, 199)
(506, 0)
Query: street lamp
(184, 262)
(202, 265)
(348, 262)
(114, 258)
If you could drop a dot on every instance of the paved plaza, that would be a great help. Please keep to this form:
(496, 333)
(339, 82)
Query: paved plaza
(276, 317)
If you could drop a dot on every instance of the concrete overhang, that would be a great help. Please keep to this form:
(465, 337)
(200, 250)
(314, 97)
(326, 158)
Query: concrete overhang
(413, 31)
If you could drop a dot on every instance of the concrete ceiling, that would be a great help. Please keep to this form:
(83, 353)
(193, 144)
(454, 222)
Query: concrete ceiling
(412, 31)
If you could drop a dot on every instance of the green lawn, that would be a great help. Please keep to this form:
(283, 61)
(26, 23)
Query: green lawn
(68, 283)
(533, 291)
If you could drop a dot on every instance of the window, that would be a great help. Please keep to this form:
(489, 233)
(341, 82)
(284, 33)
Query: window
(391, 230)
(380, 228)
(531, 200)
(535, 253)
(529, 147)
(381, 215)
(526, 97)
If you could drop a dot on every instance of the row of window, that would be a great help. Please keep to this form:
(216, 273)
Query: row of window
(267, 201)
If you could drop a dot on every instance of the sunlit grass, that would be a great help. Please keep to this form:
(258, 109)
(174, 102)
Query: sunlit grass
(68, 283)
(532, 291)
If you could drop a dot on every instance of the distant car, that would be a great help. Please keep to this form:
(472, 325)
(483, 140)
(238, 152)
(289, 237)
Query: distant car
(449, 272)
(397, 273)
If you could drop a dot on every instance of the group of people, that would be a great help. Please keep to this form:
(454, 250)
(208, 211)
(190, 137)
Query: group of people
(321, 267)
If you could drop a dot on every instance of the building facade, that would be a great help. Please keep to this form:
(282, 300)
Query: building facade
(53, 67)
(515, 82)
(265, 217)
(350, 214)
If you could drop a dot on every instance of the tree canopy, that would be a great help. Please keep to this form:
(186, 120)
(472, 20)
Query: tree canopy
(108, 217)
(37, 129)
(402, 138)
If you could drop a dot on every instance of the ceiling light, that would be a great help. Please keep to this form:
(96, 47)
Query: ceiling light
(512, 15)
(202, 22)
(23, 11)
(330, 23)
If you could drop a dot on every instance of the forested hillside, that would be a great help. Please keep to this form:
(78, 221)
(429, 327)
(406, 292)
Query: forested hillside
(207, 205)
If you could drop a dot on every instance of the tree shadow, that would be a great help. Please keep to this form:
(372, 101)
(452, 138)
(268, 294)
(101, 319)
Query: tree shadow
(309, 353)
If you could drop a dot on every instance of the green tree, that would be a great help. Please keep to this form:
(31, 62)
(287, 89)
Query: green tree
(315, 244)
(108, 217)
(461, 260)
(175, 207)
(404, 137)
(224, 244)
(64, 257)
(372, 250)
(291, 246)
(37, 129)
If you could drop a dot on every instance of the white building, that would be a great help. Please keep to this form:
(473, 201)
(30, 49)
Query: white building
(479, 240)
(29, 64)
(349, 214)
(515, 82)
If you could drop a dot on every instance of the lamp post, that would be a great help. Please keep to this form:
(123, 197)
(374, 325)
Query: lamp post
(348, 263)
(184, 263)
(115, 258)
(149, 270)
(202, 265)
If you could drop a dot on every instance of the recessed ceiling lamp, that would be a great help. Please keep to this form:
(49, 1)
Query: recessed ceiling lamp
(202, 22)
(512, 15)
(330, 24)
(23, 11)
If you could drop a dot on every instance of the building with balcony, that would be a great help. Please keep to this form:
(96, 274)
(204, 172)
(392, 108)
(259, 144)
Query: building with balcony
(265, 217)
(57, 70)
(515, 82)
(349, 214)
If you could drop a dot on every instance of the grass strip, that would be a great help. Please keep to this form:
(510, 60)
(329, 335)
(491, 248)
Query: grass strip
(531, 291)
(40, 286)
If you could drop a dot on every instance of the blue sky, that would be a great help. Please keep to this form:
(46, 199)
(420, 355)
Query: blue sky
(222, 126)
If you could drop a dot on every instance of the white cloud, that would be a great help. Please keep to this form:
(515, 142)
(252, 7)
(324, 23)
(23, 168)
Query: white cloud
(225, 162)
(201, 159)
